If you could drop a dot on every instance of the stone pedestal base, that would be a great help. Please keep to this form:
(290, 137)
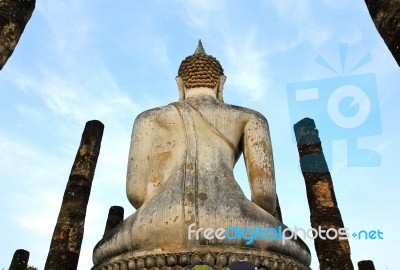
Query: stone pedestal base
(177, 258)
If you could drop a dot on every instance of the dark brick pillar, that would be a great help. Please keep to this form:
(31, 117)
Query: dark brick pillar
(67, 237)
(115, 217)
(14, 15)
(385, 14)
(366, 265)
(20, 260)
(335, 253)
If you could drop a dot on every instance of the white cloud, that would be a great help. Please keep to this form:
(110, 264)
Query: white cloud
(315, 36)
(292, 10)
(26, 160)
(247, 67)
(344, 4)
(28, 112)
(65, 98)
(300, 16)
(69, 23)
(202, 15)
(33, 186)
(74, 99)
(41, 219)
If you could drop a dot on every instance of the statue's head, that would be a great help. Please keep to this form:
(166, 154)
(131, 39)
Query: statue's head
(200, 70)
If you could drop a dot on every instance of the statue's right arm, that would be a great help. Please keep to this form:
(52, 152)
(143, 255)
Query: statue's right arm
(138, 162)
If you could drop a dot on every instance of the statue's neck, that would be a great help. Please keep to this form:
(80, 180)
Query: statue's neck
(200, 91)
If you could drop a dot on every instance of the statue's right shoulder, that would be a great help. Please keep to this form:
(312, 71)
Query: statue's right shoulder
(249, 114)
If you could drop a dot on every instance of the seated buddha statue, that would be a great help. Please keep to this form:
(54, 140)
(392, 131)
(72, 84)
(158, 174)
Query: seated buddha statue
(180, 178)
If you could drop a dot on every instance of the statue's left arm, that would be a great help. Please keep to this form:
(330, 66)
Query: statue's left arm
(258, 157)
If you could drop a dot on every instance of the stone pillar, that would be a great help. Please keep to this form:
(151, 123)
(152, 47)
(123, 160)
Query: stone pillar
(366, 265)
(14, 15)
(20, 260)
(385, 14)
(335, 253)
(68, 233)
(115, 217)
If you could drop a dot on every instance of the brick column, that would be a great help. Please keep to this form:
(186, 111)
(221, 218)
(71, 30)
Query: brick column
(20, 260)
(68, 234)
(335, 253)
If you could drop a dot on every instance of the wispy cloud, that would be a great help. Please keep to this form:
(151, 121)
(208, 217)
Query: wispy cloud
(292, 10)
(70, 25)
(32, 176)
(203, 15)
(243, 60)
(299, 15)
(343, 4)
(247, 67)
(60, 97)
(74, 99)
(35, 186)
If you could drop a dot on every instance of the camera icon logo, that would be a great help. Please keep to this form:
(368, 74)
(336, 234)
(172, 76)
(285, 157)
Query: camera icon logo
(345, 107)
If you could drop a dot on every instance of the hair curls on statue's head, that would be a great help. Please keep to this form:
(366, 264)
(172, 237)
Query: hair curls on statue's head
(200, 70)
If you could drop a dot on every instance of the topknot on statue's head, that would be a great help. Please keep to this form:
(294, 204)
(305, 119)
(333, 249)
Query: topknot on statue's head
(200, 69)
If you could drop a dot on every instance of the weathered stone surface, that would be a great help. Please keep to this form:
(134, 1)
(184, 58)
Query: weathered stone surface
(14, 15)
(335, 253)
(115, 217)
(68, 233)
(386, 16)
(20, 260)
(366, 265)
(180, 175)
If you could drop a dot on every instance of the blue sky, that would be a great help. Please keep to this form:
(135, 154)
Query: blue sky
(96, 59)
